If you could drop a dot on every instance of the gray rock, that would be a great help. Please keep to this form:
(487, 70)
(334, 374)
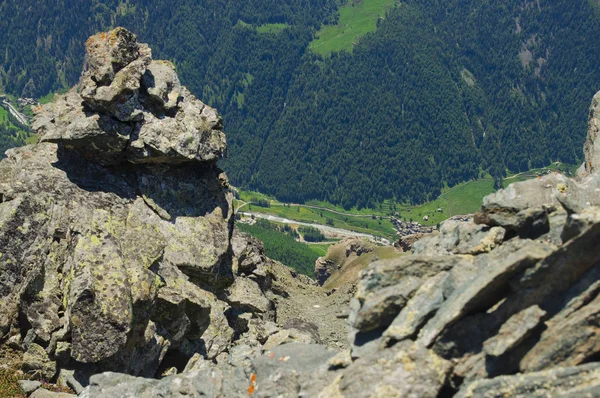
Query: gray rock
(29, 386)
(554, 382)
(379, 308)
(579, 195)
(210, 382)
(116, 63)
(514, 331)
(365, 343)
(404, 370)
(246, 294)
(567, 342)
(261, 330)
(162, 85)
(128, 107)
(42, 393)
(419, 308)
(248, 253)
(36, 362)
(62, 352)
(486, 288)
(460, 237)
(99, 303)
(384, 273)
(342, 359)
(591, 146)
(291, 369)
(96, 136)
(523, 207)
(110, 52)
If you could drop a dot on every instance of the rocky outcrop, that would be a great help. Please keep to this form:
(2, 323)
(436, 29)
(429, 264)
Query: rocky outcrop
(118, 250)
(514, 290)
(340, 255)
(130, 108)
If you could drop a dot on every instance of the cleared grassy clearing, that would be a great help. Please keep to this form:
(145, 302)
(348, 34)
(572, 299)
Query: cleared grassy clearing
(357, 18)
(271, 28)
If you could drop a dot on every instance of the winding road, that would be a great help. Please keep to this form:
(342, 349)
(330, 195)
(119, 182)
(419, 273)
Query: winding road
(322, 228)
(18, 115)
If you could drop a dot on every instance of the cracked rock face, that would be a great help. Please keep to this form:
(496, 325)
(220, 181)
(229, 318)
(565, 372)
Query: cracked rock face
(116, 229)
(129, 108)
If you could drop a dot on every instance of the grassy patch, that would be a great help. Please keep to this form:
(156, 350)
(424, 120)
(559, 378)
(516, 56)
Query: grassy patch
(9, 384)
(320, 248)
(46, 99)
(271, 28)
(357, 18)
(349, 272)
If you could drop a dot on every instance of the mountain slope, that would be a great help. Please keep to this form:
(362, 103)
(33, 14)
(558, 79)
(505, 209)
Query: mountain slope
(441, 92)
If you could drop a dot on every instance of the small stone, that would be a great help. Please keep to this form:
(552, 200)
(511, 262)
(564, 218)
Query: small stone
(36, 361)
(29, 386)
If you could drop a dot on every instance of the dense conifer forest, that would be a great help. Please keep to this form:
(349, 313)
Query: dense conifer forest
(441, 92)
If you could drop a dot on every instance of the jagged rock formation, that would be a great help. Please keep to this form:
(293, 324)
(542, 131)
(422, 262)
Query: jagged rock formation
(117, 243)
(119, 253)
(502, 304)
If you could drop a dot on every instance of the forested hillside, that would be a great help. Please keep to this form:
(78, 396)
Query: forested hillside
(441, 92)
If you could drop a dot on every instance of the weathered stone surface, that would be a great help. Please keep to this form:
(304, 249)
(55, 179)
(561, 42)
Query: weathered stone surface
(95, 136)
(246, 294)
(384, 273)
(405, 370)
(193, 134)
(248, 253)
(99, 299)
(591, 147)
(164, 90)
(292, 370)
(112, 266)
(426, 300)
(130, 108)
(556, 382)
(568, 342)
(379, 308)
(209, 382)
(116, 63)
(514, 331)
(29, 386)
(43, 393)
(580, 195)
(523, 207)
(36, 362)
(486, 288)
(261, 330)
(460, 237)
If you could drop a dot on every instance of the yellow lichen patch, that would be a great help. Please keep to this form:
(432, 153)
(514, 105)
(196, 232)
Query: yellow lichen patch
(562, 188)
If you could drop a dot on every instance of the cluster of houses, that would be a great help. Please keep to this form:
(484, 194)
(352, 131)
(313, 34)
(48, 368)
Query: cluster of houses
(405, 228)
(26, 101)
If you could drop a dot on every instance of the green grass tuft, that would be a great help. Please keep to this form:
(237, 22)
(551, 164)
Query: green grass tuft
(9, 384)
